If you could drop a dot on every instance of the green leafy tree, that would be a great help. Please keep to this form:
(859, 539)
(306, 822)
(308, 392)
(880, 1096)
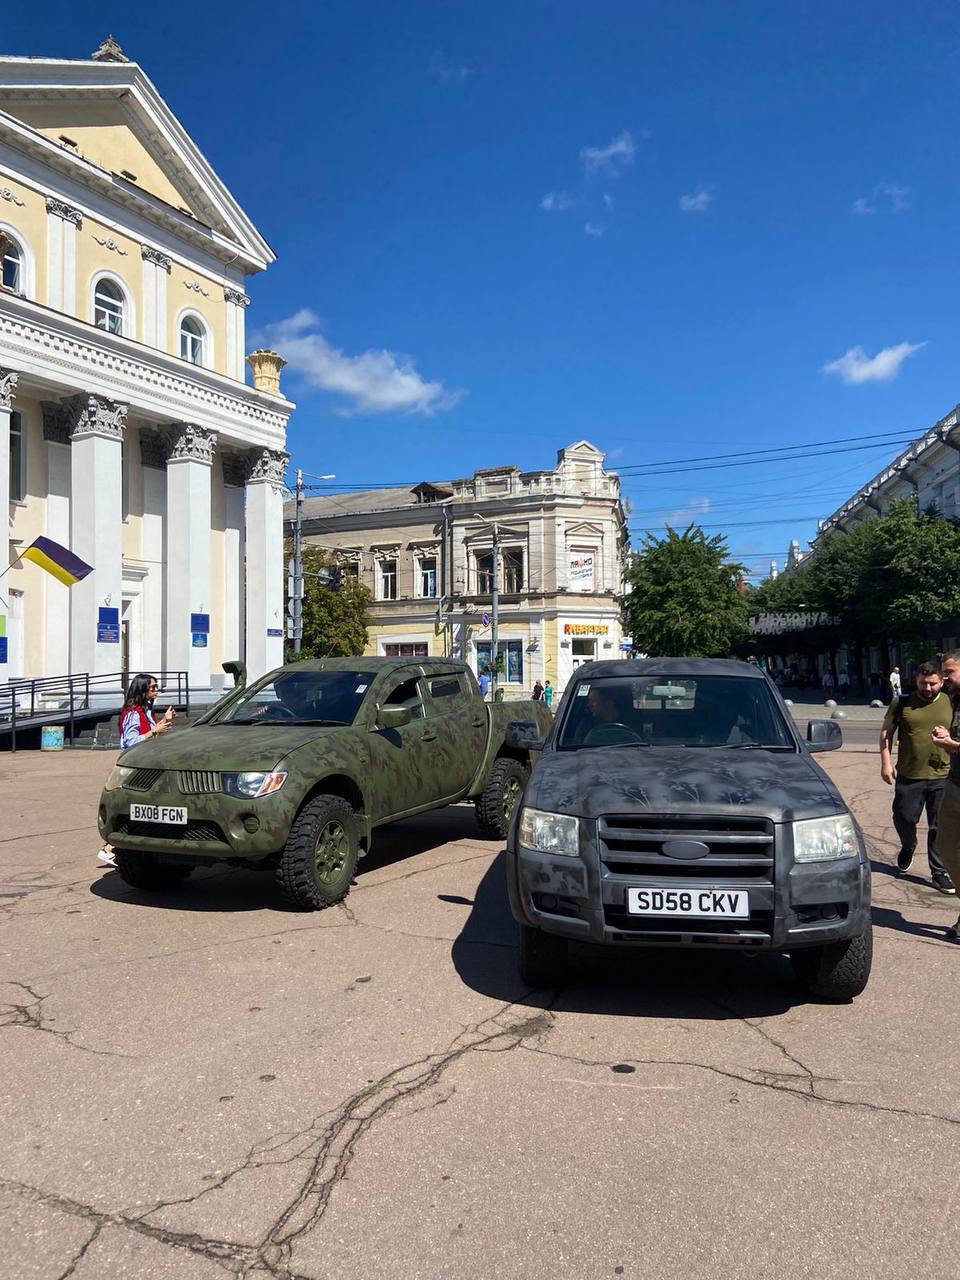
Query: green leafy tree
(334, 622)
(684, 596)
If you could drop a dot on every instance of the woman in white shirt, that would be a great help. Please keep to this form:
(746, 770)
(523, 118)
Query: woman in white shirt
(137, 724)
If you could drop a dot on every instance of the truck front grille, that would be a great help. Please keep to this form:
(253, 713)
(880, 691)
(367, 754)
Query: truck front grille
(198, 782)
(194, 830)
(142, 779)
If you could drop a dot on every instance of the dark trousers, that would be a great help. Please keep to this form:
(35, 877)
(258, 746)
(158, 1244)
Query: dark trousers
(910, 797)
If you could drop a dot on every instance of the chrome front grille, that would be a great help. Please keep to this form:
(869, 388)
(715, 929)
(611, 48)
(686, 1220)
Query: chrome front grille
(198, 782)
(737, 847)
(142, 779)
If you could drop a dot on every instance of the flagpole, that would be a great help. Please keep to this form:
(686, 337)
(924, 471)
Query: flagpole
(7, 570)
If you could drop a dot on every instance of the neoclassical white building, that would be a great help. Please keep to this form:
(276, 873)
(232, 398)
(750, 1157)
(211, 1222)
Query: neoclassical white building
(127, 432)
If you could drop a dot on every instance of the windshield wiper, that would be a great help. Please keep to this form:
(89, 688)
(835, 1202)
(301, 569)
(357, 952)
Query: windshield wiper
(758, 746)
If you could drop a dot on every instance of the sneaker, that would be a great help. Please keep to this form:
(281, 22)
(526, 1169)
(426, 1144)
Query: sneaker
(904, 859)
(953, 933)
(106, 857)
(942, 881)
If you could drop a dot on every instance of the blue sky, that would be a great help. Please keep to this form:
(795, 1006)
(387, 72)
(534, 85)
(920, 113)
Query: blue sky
(504, 227)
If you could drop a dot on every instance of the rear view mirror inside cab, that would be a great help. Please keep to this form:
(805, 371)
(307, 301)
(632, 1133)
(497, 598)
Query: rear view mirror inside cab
(668, 691)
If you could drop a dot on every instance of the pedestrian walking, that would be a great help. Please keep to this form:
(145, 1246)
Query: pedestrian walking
(827, 683)
(137, 724)
(537, 691)
(548, 693)
(948, 833)
(921, 774)
(844, 683)
(894, 680)
(484, 682)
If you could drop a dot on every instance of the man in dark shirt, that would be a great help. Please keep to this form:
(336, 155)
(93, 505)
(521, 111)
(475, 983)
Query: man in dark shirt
(948, 837)
(922, 767)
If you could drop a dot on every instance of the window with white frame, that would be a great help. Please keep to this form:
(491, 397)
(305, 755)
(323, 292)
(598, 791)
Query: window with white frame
(108, 307)
(387, 584)
(413, 649)
(427, 577)
(513, 570)
(18, 458)
(510, 660)
(484, 572)
(13, 266)
(192, 340)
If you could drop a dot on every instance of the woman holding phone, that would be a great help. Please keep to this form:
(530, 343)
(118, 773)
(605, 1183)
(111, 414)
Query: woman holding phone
(137, 724)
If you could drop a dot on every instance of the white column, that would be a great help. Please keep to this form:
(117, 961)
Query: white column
(156, 268)
(96, 434)
(232, 564)
(263, 530)
(56, 654)
(63, 223)
(8, 384)
(188, 550)
(237, 302)
(153, 457)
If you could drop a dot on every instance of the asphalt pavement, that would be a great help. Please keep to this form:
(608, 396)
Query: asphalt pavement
(203, 1083)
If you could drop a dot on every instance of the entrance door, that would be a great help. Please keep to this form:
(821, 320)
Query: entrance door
(583, 651)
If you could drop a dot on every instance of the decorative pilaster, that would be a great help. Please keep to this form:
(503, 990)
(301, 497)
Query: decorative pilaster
(188, 550)
(236, 330)
(156, 258)
(156, 269)
(65, 211)
(263, 540)
(95, 429)
(56, 613)
(63, 223)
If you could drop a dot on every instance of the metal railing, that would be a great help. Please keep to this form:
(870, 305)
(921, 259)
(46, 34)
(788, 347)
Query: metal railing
(76, 696)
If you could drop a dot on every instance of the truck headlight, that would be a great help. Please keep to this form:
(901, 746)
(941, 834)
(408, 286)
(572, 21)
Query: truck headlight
(251, 786)
(823, 839)
(117, 777)
(550, 832)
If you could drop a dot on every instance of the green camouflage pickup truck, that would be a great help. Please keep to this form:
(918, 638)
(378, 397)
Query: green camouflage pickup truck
(297, 770)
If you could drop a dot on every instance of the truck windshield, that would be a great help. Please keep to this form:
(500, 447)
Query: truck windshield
(301, 697)
(673, 711)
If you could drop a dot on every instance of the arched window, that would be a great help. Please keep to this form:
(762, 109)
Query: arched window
(108, 307)
(192, 340)
(12, 265)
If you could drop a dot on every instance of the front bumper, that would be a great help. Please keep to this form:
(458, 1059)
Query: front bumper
(806, 905)
(218, 826)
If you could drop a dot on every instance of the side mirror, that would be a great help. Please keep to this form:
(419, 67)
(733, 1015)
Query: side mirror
(238, 670)
(824, 735)
(393, 717)
(524, 735)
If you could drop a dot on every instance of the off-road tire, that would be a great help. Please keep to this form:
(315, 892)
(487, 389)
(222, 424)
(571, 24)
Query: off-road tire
(145, 871)
(837, 971)
(325, 831)
(542, 959)
(500, 796)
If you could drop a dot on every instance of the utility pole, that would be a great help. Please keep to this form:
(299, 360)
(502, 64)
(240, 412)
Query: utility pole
(298, 566)
(495, 607)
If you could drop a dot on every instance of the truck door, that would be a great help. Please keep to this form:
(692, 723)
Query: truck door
(461, 721)
(405, 761)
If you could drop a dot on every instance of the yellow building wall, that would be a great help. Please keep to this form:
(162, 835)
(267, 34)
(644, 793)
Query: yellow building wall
(426, 630)
(104, 137)
(29, 522)
(29, 219)
(126, 266)
(209, 305)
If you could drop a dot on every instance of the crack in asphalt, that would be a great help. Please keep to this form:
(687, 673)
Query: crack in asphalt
(327, 1145)
(79, 1255)
(29, 1014)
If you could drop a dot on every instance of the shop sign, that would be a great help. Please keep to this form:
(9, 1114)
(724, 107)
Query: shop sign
(582, 576)
(584, 629)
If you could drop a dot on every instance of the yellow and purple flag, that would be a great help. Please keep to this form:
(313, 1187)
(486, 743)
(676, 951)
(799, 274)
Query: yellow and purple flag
(58, 561)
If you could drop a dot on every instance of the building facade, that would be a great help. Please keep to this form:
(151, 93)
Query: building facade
(426, 556)
(127, 431)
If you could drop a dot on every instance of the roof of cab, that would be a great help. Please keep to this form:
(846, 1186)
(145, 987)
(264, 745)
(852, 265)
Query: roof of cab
(670, 667)
(371, 664)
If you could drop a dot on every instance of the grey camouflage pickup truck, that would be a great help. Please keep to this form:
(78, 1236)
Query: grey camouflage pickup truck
(675, 805)
(297, 770)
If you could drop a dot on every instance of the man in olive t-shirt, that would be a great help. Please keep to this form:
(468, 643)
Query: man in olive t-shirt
(922, 767)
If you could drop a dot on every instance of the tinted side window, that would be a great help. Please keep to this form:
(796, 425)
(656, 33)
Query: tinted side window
(407, 695)
(445, 687)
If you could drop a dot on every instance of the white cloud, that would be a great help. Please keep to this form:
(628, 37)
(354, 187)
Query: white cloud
(694, 510)
(594, 230)
(855, 366)
(696, 202)
(611, 159)
(607, 200)
(447, 74)
(556, 202)
(886, 197)
(371, 382)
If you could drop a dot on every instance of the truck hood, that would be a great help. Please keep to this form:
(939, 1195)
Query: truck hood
(602, 780)
(240, 747)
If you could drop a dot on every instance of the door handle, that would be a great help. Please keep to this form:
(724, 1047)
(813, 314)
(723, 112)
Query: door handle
(478, 724)
(429, 737)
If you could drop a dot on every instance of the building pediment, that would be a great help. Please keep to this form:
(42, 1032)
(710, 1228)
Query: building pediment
(584, 529)
(109, 110)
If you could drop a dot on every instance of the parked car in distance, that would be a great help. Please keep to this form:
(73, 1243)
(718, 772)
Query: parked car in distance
(299, 769)
(675, 805)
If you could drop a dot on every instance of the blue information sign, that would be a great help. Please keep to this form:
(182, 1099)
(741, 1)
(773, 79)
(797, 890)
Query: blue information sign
(200, 622)
(274, 631)
(3, 648)
(108, 626)
(199, 640)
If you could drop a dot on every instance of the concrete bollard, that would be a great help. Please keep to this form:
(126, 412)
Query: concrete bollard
(877, 703)
(830, 702)
(838, 715)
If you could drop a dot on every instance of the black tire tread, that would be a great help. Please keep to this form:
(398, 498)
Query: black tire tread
(143, 870)
(839, 970)
(294, 874)
(489, 804)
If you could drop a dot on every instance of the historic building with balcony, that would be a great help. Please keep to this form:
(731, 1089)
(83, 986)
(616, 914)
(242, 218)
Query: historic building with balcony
(127, 430)
(426, 554)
